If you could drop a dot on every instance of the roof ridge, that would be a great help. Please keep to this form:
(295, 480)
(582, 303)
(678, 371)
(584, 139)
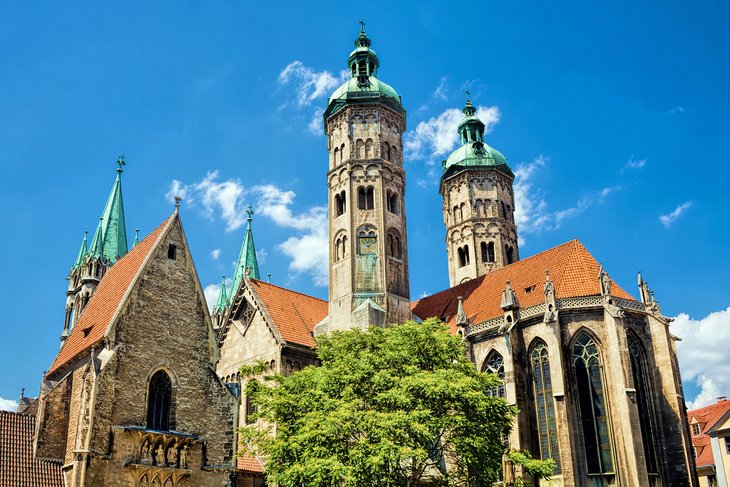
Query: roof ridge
(288, 289)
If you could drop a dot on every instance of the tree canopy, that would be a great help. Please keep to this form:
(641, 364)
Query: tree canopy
(400, 406)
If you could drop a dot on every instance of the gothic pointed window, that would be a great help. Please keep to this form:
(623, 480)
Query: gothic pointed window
(159, 399)
(643, 386)
(544, 403)
(494, 364)
(592, 405)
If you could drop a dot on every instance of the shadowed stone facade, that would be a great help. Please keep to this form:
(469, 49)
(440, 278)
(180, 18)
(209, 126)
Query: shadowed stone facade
(95, 407)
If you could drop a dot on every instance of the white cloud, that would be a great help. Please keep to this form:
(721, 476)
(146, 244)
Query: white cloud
(225, 200)
(438, 135)
(634, 163)
(531, 211)
(211, 292)
(308, 250)
(222, 199)
(703, 354)
(441, 91)
(308, 83)
(8, 405)
(215, 253)
(670, 218)
(261, 256)
(316, 123)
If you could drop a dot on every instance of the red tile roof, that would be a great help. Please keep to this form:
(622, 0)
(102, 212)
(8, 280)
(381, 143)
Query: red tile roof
(573, 271)
(706, 417)
(108, 298)
(294, 314)
(249, 463)
(18, 468)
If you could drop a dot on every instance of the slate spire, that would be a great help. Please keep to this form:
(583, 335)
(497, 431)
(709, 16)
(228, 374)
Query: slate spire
(247, 258)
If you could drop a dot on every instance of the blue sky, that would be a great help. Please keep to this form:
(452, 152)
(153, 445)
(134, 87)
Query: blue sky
(613, 115)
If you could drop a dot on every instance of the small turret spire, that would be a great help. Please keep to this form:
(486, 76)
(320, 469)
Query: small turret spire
(82, 253)
(136, 237)
(97, 243)
(247, 264)
(222, 302)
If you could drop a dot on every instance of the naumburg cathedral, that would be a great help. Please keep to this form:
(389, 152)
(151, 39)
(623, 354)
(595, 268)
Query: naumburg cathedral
(146, 391)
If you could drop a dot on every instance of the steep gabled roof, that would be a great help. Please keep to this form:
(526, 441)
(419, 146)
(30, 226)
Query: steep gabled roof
(107, 299)
(573, 271)
(706, 417)
(294, 314)
(18, 467)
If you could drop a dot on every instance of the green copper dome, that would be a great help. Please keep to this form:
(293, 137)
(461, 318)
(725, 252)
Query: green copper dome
(474, 151)
(475, 154)
(363, 86)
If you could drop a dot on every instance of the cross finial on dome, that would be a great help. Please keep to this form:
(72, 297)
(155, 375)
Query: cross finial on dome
(120, 162)
(362, 26)
(249, 213)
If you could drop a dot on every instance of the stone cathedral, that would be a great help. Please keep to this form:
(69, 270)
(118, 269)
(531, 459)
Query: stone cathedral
(146, 390)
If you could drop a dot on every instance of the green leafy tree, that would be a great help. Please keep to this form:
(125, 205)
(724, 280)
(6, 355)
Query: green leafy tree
(400, 406)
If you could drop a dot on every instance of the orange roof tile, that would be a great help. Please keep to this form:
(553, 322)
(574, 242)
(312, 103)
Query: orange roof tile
(249, 463)
(294, 314)
(18, 468)
(707, 417)
(106, 300)
(573, 271)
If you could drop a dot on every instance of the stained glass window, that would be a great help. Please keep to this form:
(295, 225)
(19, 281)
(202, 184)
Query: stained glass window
(592, 401)
(158, 401)
(495, 365)
(544, 404)
(646, 411)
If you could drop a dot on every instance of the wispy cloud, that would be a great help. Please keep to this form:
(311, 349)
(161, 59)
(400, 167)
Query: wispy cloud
(531, 210)
(703, 354)
(437, 136)
(442, 90)
(668, 219)
(8, 405)
(676, 110)
(226, 200)
(309, 84)
(308, 249)
(221, 199)
(215, 253)
(633, 163)
(316, 123)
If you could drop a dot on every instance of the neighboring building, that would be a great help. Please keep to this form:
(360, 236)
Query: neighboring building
(147, 391)
(710, 430)
(18, 466)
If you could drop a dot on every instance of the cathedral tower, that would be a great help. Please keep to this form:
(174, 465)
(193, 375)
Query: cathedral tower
(108, 245)
(478, 205)
(368, 257)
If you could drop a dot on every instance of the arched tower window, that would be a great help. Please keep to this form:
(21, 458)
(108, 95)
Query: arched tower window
(336, 156)
(643, 386)
(487, 249)
(365, 198)
(159, 401)
(393, 154)
(394, 246)
(463, 253)
(393, 202)
(340, 204)
(509, 254)
(369, 149)
(592, 403)
(544, 404)
(494, 364)
(359, 148)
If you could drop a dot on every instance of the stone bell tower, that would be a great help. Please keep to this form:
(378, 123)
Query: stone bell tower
(368, 253)
(478, 205)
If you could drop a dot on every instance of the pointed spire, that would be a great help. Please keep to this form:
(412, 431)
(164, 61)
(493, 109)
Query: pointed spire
(114, 230)
(222, 302)
(96, 249)
(82, 253)
(247, 264)
(509, 298)
(136, 237)
(461, 318)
